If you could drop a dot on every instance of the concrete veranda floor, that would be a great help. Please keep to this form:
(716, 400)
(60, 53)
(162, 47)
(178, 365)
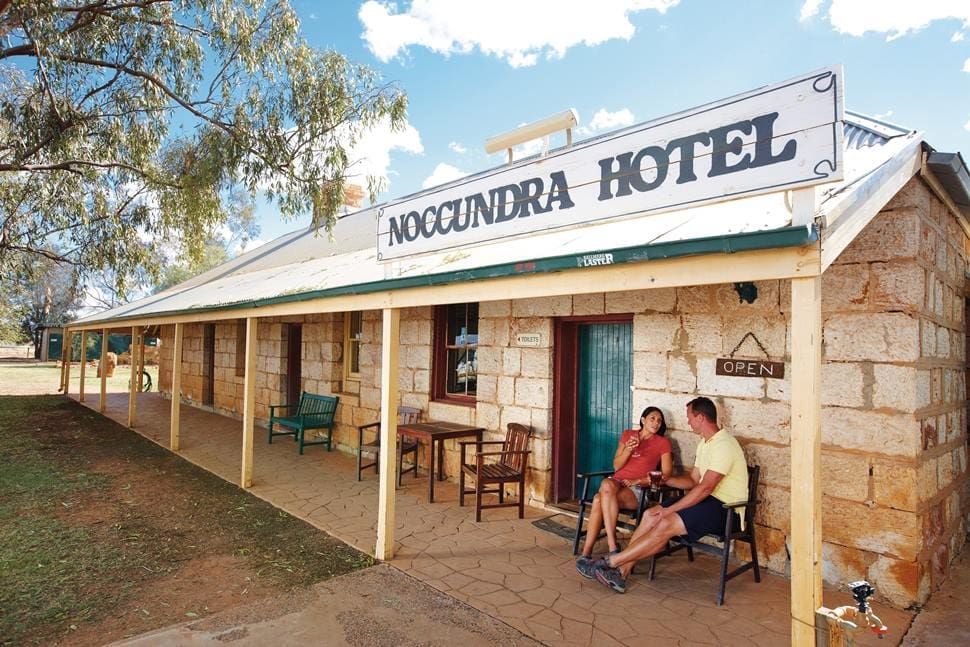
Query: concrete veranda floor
(503, 566)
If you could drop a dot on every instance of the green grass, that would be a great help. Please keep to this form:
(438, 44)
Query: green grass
(84, 532)
(45, 564)
(46, 377)
(48, 568)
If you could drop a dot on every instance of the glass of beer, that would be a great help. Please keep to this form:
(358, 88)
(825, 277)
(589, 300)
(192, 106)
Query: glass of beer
(655, 477)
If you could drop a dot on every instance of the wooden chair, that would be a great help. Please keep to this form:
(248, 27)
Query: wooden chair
(405, 415)
(506, 465)
(730, 535)
(629, 517)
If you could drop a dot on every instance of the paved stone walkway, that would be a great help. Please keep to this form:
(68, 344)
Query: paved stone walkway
(503, 566)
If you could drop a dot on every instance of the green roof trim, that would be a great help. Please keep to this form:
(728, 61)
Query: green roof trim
(741, 242)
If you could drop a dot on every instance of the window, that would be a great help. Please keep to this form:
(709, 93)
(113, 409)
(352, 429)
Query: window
(353, 333)
(456, 352)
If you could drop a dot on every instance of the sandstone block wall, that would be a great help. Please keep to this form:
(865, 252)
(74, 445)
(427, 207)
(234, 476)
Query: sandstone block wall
(894, 455)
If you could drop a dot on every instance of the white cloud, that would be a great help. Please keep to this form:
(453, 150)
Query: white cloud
(606, 120)
(518, 32)
(895, 19)
(956, 37)
(966, 65)
(313, 16)
(603, 119)
(442, 174)
(457, 147)
(883, 115)
(966, 126)
(372, 154)
(809, 9)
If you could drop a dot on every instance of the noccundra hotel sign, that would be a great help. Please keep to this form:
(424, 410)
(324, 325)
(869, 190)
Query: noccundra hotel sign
(783, 136)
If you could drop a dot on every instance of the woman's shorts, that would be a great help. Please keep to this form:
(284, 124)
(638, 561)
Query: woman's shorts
(704, 518)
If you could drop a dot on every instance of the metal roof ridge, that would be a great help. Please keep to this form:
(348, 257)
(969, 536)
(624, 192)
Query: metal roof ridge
(876, 126)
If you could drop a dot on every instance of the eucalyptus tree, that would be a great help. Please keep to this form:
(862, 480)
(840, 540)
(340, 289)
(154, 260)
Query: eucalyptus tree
(124, 124)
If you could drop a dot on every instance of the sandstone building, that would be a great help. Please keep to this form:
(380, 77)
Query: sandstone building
(538, 330)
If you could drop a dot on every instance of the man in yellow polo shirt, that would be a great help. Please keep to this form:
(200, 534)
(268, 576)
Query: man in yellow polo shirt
(719, 476)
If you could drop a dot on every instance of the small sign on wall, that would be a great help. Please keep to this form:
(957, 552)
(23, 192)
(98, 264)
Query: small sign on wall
(749, 368)
(528, 339)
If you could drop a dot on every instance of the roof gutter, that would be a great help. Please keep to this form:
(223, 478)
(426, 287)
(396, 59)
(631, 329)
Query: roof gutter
(952, 173)
(741, 242)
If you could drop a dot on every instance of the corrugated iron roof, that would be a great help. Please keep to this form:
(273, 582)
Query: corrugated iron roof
(305, 263)
(861, 131)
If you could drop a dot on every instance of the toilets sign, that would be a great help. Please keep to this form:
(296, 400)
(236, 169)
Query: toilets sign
(780, 137)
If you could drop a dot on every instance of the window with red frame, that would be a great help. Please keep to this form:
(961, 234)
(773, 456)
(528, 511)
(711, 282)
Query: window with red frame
(456, 352)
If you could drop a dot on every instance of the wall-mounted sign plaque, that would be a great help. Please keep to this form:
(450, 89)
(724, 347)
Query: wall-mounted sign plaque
(528, 339)
(749, 368)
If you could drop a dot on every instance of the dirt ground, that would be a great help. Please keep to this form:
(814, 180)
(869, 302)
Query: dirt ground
(374, 607)
(105, 536)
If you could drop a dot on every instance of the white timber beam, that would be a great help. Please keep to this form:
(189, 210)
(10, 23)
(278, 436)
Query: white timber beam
(706, 269)
(141, 361)
(249, 404)
(806, 452)
(84, 362)
(390, 341)
(803, 206)
(133, 381)
(176, 388)
(103, 369)
(60, 378)
(68, 352)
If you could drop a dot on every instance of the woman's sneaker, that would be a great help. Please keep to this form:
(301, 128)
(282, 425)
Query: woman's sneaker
(586, 567)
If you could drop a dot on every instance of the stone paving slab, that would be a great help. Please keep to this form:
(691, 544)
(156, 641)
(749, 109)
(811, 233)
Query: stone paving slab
(503, 566)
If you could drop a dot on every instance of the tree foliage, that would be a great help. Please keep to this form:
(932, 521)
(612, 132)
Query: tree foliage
(124, 124)
(47, 294)
(222, 244)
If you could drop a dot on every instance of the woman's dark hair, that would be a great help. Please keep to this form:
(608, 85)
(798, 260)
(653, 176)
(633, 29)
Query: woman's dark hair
(663, 420)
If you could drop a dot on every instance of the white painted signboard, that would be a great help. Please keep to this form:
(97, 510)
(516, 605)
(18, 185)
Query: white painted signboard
(779, 137)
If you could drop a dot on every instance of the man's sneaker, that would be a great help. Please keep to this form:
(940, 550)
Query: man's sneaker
(611, 577)
(585, 565)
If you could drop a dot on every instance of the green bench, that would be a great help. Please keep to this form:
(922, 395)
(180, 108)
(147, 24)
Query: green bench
(313, 412)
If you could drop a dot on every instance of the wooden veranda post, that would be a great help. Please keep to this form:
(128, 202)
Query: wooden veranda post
(84, 362)
(133, 382)
(176, 387)
(249, 404)
(141, 361)
(390, 341)
(806, 500)
(66, 355)
(103, 369)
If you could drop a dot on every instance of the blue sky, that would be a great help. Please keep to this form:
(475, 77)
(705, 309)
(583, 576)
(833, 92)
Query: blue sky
(475, 69)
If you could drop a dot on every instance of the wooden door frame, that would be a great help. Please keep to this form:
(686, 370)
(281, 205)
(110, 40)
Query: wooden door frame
(209, 364)
(294, 383)
(565, 379)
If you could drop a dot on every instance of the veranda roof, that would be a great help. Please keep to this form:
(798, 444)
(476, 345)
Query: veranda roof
(878, 159)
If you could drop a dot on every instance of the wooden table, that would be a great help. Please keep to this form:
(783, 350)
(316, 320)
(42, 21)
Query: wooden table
(436, 433)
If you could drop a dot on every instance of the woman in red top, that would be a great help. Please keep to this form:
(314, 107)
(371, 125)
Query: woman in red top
(638, 453)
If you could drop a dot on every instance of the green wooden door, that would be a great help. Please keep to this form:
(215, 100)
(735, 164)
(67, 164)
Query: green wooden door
(55, 342)
(605, 373)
